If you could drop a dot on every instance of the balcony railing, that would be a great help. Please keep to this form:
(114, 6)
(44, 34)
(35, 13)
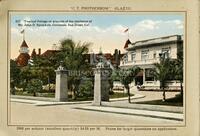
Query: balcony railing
(141, 62)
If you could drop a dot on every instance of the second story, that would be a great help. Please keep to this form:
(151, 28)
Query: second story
(149, 51)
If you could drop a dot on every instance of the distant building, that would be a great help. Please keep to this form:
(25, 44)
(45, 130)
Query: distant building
(146, 53)
(49, 53)
(23, 58)
(112, 59)
(34, 54)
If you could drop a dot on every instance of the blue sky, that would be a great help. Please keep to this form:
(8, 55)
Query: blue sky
(104, 31)
(102, 20)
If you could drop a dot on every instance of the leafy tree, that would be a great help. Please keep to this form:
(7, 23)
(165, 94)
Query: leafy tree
(115, 75)
(126, 77)
(43, 69)
(25, 76)
(179, 67)
(14, 75)
(73, 58)
(33, 86)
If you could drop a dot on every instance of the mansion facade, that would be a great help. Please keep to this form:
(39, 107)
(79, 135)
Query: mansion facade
(146, 53)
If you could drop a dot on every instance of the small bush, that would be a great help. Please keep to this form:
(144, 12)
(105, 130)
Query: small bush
(46, 87)
(111, 92)
(85, 89)
(33, 86)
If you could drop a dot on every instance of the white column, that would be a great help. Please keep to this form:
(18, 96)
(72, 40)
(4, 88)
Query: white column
(143, 76)
(61, 92)
(97, 88)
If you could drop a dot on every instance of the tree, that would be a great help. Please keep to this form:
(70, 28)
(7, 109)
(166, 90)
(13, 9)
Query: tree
(126, 77)
(33, 86)
(14, 75)
(179, 67)
(162, 73)
(25, 76)
(85, 88)
(115, 75)
(73, 58)
(44, 68)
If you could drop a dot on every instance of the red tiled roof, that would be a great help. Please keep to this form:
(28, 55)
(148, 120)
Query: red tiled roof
(127, 43)
(48, 53)
(22, 59)
(24, 44)
(108, 55)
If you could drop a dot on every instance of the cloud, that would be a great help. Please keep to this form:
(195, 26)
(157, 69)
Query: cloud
(146, 25)
(179, 24)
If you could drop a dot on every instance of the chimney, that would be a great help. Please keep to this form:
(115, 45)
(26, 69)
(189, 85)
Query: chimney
(39, 51)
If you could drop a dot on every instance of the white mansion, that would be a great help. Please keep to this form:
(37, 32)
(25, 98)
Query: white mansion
(146, 53)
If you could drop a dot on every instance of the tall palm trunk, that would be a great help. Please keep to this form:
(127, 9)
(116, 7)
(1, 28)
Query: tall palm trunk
(162, 87)
(128, 92)
(164, 96)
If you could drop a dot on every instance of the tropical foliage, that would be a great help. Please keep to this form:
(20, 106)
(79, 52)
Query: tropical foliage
(86, 89)
(42, 68)
(162, 73)
(33, 86)
(169, 69)
(127, 76)
(14, 76)
(72, 55)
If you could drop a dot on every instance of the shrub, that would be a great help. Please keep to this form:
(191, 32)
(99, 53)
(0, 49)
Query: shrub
(85, 89)
(33, 86)
(46, 87)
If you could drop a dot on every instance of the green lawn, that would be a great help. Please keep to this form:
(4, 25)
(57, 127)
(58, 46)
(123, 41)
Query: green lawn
(175, 101)
(52, 95)
(119, 95)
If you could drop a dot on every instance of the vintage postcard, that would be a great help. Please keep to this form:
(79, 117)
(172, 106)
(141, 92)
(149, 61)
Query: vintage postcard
(82, 69)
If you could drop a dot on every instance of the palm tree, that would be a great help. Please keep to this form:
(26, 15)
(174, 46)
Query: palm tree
(162, 73)
(126, 77)
(73, 58)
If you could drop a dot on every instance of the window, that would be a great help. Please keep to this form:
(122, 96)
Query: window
(149, 76)
(125, 58)
(145, 54)
(133, 54)
(166, 52)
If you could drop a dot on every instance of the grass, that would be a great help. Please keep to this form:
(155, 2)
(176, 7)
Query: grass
(119, 95)
(175, 101)
(52, 95)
